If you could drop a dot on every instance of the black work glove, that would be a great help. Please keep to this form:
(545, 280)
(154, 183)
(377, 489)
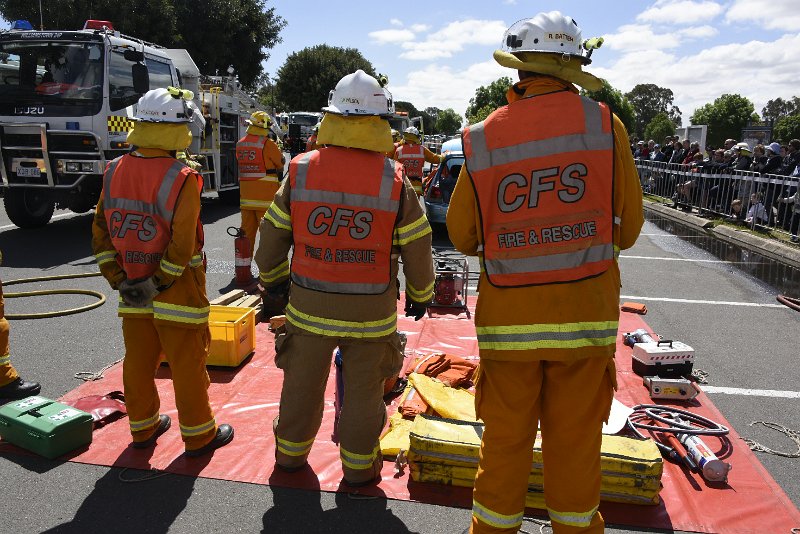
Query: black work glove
(415, 309)
(138, 293)
(275, 299)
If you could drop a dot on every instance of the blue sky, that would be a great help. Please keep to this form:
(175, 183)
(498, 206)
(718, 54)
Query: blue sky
(437, 54)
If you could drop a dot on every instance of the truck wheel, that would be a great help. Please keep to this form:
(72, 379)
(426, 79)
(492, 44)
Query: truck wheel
(230, 196)
(28, 208)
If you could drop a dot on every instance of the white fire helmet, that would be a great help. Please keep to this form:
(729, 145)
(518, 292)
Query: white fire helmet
(166, 105)
(359, 94)
(546, 32)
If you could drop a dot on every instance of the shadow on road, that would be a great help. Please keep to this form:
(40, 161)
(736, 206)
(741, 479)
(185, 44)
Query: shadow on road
(213, 209)
(62, 241)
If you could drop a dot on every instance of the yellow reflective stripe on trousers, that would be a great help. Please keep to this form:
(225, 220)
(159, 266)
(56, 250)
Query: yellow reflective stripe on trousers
(199, 429)
(196, 261)
(136, 426)
(358, 461)
(278, 217)
(254, 204)
(5, 360)
(130, 310)
(419, 295)
(616, 252)
(337, 328)
(294, 448)
(105, 256)
(548, 336)
(573, 519)
(403, 235)
(494, 519)
(180, 314)
(278, 272)
(171, 268)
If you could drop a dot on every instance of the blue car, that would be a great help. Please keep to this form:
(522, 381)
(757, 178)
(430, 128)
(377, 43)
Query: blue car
(441, 183)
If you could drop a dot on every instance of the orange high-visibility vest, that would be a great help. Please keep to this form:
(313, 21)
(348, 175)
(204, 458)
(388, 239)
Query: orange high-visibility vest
(412, 156)
(138, 204)
(543, 173)
(257, 183)
(344, 205)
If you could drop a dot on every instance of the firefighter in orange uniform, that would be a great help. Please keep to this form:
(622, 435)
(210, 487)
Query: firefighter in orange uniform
(12, 386)
(148, 241)
(260, 171)
(548, 196)
(413, 155)
(350, 215)
(311, 143)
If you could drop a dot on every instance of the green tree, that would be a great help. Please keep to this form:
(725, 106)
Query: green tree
(779, 108)
(217, 33)
(448, 121)
(481, 114)
(307, 76)
(649, 100)
(492, 95)
(620, 105)
(725, 117)
(787, 128)
(660, 127)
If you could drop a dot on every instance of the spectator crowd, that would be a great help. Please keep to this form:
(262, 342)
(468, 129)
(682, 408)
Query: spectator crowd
(710, 181)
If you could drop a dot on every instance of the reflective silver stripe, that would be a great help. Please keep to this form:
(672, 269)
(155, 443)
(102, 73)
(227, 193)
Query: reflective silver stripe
(481, 158)
(339, 328)
(533, 337)
(573, 519)
(199, 429)
(196, 261)
(159, 209)
(494, 519)
(339, 287)
(293, 448)
(617, 220)
(182, 314)
(552, 262)
(112, 166)
(105, 257)
(249, 144)
(5, 360)
(143, 424)
(278, 217)
(349, 199)
(383, 203)
(387, 179)
(358, 461)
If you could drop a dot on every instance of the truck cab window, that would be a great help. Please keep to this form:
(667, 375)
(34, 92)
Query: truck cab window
(120, 80)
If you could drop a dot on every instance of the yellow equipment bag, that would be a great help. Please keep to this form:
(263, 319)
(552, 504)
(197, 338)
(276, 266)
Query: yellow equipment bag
(396, 439)
(447, 452)
(452, 403)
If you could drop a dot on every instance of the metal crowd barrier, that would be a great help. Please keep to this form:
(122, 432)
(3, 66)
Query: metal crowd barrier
(728, 193)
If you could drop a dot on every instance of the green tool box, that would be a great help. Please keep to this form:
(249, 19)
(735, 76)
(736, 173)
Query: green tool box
(44, 426)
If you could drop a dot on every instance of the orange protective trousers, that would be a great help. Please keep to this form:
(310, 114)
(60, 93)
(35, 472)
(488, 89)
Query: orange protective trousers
(186, 350)
(306, 363)
(7, 372)
(570, 400)
(251, 219)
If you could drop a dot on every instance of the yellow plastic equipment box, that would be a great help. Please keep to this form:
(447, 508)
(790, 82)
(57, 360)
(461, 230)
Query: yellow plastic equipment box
(233, 335)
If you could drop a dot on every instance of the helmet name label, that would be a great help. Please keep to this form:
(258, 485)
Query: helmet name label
(560, 37)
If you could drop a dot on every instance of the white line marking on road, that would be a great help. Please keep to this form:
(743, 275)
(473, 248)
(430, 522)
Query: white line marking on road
(58, 216)
(752, 392)
(692, 301)
(669, 235)
(687, 259)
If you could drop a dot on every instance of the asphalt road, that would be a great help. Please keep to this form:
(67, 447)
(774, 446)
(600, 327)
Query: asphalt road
(739, 346)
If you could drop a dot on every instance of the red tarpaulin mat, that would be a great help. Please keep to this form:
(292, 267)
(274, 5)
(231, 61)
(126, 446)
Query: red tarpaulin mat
(247, 398)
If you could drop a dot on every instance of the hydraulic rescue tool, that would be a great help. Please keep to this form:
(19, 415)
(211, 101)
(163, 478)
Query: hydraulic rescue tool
(659, 357)
(671, 424)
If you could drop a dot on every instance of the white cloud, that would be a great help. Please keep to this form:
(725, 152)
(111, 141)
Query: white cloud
(454, 37)
(444, 87)
(682, 12)
(510, 2)
(391, 36)
(419, 28)
(396, 22)
(641, 37)
(757, 70)
(769, 14)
